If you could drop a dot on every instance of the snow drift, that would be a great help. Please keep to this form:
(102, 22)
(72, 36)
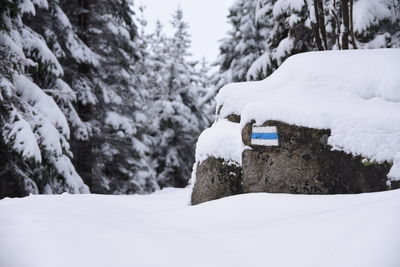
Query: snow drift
(162, 230)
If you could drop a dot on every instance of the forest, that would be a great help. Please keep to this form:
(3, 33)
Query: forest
(121, 145)
(90, 101)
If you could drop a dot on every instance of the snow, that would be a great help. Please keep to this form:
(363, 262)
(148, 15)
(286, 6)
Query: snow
(26, 6)
(32, 94)
(19, 132)
(41, 3)
(116, 29)
(72, 179)
(293, 20)
(83, 86)
(120, 123)
(284, 48)
(282, 6)
(76, 47)
(259, 66)
(162, 230)
(368, 13)
(222, 140)
(6, 88)
(354, 93)
(7, 41)
(36, 46)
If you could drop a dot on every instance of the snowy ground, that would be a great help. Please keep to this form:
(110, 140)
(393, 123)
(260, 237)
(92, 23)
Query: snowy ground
(161, 230)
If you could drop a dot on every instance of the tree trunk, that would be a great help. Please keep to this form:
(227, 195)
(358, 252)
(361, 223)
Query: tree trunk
(353, 39)
(317, 26)
(322, 23)
(336, 15)
(83, 18)
(346, 24)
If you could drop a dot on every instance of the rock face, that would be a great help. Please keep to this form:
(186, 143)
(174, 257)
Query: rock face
(303, 163)
(215, 179)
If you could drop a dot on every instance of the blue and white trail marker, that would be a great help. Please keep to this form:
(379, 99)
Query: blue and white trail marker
(264, 136)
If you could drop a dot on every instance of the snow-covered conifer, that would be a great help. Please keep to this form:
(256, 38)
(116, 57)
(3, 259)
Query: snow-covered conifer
(36, 156)
(176, 112)
(113, 100)
(266, 32)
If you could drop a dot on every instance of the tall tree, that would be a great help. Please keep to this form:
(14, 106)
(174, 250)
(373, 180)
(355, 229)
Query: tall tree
(116, 159)
(282, 28)
(176, 113)
(244, 42)
(35, 153)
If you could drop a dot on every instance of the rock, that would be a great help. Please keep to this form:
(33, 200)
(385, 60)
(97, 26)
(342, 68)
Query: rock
(303, 163)
(233, 118)
(216, 178)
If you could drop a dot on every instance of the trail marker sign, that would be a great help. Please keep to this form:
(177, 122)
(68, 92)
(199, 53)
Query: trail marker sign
(264, 136)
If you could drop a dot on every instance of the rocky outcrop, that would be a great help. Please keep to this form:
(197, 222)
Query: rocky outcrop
(304, 163)
(216, 178)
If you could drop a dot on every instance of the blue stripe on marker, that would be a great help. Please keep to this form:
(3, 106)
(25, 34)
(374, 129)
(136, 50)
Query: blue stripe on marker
(266, 136)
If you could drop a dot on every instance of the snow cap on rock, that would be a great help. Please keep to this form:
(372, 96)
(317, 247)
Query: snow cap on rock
(355, 93)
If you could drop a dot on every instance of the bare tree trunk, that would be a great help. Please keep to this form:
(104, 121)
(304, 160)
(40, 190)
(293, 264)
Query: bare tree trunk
(317, 26)
(322, 23)
(346, 24)
(353, 38)
(83, 24)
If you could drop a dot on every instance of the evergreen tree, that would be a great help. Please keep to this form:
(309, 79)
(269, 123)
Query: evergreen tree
(206, 90)
(132, 104)
(245, 41)
(55, 28)
(282, 28)
(176, 113)
(115, 160)
(288, 33)
(35, 152)
(158, 72)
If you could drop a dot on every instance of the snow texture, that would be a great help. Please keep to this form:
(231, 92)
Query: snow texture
(284, 48)
(260, 65)
(75, 183)
(354, 93)
(76, 46)
(222, 140)
(282, 6)
(368, 13)
(36, 46)
(241, 231)
(120, 123)
(32, 94)
(21, 135)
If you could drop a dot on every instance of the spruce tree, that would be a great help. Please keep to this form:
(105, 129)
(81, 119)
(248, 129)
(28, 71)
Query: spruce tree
(81, 74)
(282, 28)
(35, 151)
(245, 41)
(176, 114)
(115, 159)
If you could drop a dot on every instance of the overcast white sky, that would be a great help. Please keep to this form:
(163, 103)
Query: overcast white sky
(206, 18)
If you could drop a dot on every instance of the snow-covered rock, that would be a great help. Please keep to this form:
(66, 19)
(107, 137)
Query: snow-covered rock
(217, 170)
(355, 94)
(222, 140)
